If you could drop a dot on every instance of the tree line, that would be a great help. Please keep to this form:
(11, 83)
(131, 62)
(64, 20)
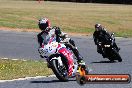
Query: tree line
(92, 1)
(98, 1)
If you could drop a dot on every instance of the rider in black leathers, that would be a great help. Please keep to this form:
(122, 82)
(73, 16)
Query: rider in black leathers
(102, 36)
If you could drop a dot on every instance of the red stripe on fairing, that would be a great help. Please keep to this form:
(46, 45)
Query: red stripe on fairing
(67, 54)
(59, 46)
(70, 70)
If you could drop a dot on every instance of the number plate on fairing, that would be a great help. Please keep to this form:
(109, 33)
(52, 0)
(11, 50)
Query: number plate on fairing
(50, 48)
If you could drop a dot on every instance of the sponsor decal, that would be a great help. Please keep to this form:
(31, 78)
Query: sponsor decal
(103, 78)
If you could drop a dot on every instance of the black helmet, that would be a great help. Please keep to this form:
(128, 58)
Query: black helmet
(98, 27)
(43, 24)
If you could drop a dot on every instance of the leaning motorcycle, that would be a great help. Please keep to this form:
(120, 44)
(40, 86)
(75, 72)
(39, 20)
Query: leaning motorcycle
(59, 59)
(110, 51)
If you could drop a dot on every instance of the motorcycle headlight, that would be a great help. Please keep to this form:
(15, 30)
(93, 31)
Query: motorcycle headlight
(107, 45)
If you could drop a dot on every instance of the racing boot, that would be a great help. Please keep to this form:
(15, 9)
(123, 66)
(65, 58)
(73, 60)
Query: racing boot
(83, 66)
(81, 62)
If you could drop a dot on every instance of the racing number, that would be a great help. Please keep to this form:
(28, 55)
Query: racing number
(50, 48)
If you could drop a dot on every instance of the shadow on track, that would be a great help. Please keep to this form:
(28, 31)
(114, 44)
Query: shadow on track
(52, 81)
(105, 62)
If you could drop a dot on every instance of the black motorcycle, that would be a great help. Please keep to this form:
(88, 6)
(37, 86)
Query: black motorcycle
(109, 50)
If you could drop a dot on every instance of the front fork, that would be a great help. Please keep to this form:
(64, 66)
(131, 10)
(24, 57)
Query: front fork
(55, 58)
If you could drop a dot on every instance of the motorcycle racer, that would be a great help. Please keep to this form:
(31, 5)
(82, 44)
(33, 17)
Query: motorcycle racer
(101, 36)
(48, 31)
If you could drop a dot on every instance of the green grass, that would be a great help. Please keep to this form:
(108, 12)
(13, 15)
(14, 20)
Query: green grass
(13, 69)
(71, 17)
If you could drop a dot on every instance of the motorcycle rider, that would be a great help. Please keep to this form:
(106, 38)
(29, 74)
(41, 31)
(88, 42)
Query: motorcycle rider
(46, 29)
(101, 36)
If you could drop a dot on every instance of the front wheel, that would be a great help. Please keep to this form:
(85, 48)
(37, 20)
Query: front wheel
(117, 56)
(60, 71)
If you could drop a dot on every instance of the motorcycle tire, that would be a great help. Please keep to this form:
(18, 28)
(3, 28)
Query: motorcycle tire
(58, 72)
(117, 56)
(111, 59)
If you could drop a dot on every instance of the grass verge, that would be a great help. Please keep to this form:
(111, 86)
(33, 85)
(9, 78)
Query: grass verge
(13, 69)
(71, 17)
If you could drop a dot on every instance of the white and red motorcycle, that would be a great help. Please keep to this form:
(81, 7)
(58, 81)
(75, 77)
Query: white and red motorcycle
(60, 59)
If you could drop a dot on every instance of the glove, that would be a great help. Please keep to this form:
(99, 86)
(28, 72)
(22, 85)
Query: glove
(41, 51)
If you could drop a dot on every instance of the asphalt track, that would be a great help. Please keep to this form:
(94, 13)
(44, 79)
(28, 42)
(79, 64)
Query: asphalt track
(24, 45)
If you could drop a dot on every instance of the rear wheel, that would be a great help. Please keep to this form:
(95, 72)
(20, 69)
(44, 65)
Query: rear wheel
(111, 59)
(109, 55)
(60, 71)
(117, 56)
